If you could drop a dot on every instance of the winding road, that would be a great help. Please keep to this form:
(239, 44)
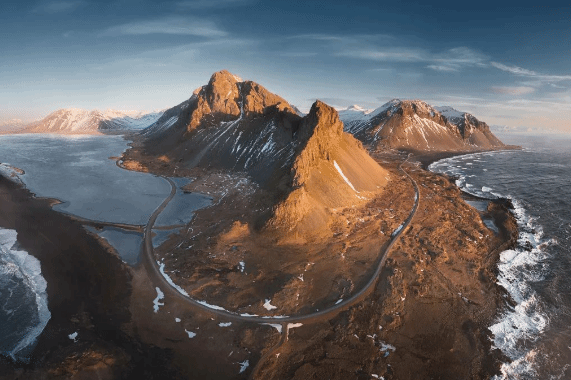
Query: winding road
(157, 277)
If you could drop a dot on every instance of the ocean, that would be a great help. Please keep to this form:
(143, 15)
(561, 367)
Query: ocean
(24, 309)
(533, 331)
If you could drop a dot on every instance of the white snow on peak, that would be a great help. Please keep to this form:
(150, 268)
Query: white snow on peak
(450, 112)
(225, 324)
(384, 107)
(190, 333)
(73, 336)
(76, 120)
(352, 113)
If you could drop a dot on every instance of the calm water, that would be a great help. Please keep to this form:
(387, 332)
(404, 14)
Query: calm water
(536, 333)
(78, 172)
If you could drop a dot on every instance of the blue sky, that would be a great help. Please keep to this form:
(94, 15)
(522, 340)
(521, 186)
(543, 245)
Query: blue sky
(508, 65)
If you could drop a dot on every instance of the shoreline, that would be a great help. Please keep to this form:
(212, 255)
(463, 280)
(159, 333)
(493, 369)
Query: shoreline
(426, 159)
(132, 329)
(88, 291)
(501, 210)
(490, 361)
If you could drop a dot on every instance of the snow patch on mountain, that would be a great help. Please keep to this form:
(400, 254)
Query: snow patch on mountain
(80, 121)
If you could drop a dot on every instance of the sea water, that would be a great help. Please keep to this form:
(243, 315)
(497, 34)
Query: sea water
(81, 173)
(24, 309)
(535, 334)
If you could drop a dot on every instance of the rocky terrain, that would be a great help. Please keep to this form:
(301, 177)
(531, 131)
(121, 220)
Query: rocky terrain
(416, 126)
(80, 121)
(304, 166)
(301, 216)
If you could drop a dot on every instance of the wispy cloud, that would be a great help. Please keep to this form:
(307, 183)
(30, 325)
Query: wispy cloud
(348, 39)
(173, 55)
(516, 90)
(203, 4)
(389, 48)
(386, 55)
(442, 68)
(52, 7)
(457, 58)
(168, 25)
(298, 54)
(530, 73)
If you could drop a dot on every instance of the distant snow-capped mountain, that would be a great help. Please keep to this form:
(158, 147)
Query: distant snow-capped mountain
(417, 126)
(80, 121)
(8, 126)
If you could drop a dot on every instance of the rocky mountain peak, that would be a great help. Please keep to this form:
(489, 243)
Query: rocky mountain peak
(319, 134)
(322, 120)
(258, 100)
(221, 94)
(226, 97)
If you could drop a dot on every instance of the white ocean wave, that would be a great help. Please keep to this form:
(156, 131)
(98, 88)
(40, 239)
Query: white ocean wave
(27, 268)
(518, 269)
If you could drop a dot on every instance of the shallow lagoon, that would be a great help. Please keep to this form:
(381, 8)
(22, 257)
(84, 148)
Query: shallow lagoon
(78, 171)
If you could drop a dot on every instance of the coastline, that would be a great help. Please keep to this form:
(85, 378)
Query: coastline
(472, 321)
(501, 211)
(113, 356)
(88, 291)
(426, 159)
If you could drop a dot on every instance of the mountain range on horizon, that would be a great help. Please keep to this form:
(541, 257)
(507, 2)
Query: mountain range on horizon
(411, 125)
(81, 121)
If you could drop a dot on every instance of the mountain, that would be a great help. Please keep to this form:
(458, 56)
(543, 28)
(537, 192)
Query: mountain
(308, 164)
(10, 126)
(416, 126)
(80, 121)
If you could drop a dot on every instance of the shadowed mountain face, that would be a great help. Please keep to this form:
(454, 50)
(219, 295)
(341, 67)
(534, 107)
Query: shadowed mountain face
(414, 125)
(80, 121)
(308, 163)
(227, 124)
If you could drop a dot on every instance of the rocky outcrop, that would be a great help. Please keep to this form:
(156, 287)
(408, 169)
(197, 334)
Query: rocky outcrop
(414, 125)
(320, 134)
(330, 170)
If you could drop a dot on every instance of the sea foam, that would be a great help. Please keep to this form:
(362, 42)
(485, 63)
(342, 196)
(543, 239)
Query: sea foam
(518, 269)
(28, 269)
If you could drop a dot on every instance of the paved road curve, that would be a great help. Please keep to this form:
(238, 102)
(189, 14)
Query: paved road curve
(153, 269)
